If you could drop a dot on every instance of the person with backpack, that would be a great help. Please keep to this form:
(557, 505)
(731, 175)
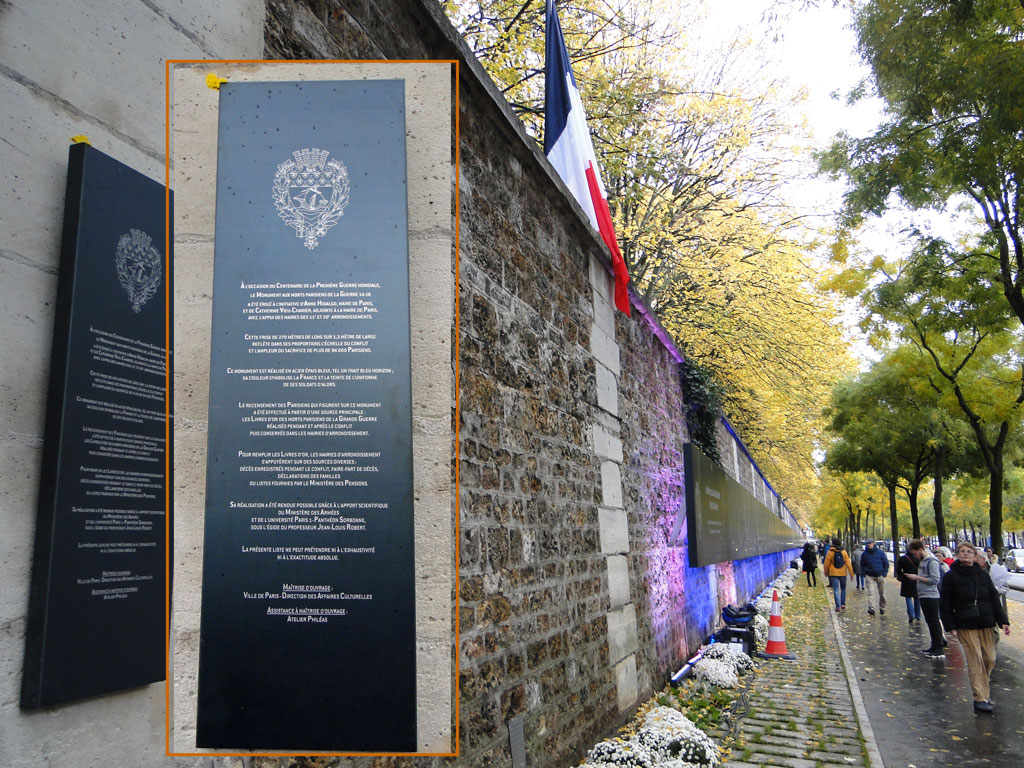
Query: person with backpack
(971, 607)
(928, 576)
(875, 565)
(836, 567)
(810, 560)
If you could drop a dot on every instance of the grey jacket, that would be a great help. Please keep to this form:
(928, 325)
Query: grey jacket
(931, 569)
(856, 560)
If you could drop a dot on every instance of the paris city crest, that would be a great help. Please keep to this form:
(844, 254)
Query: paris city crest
(310, 193)
(139, 267)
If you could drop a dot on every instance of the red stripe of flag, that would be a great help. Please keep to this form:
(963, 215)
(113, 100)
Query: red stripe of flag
(604, 225)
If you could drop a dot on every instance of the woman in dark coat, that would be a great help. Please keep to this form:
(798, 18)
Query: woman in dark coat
(908, 587)
(810, 558)
(970, 608)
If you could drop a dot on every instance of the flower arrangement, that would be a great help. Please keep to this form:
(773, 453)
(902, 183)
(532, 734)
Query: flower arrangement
(674, 740)
(763, 605)
(715, 672)
(666, 738)
(729, 654)
(628, 753)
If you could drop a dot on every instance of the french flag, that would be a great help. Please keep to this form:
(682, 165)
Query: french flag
(569, 148)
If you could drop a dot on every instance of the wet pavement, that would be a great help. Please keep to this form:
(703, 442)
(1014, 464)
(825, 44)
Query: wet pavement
(920, 710)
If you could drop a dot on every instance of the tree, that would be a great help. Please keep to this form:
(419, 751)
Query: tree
(846, 501)
(874, 432)
(950, 76)
(944, 302)
(693, 159)
(947, 447)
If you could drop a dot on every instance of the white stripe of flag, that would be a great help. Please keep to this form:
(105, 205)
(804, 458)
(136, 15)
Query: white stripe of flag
(568, 146)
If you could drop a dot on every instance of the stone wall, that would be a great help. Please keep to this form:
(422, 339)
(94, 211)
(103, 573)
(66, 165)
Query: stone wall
(67, 69)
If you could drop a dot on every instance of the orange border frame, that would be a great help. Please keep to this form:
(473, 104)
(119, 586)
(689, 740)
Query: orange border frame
(167, 422)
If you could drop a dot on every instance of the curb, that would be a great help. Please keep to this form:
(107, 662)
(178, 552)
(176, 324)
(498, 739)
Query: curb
(874, 756)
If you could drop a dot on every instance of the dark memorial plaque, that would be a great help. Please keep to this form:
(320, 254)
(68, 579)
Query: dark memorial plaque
(308, 626)
(97, 602)
(724, 520)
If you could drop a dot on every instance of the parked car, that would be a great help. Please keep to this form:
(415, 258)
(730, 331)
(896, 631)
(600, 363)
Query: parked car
(1014, 560)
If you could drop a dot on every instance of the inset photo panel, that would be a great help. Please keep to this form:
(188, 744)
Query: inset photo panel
(314, 297)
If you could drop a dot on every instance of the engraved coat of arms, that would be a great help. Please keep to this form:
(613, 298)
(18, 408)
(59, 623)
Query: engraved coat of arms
(310, 193)
(139, 267)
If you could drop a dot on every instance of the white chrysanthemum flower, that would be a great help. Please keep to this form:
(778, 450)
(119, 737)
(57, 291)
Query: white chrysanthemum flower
(666, 718)
(715, 672)
(619, 752)
(673, 737)
(730, 654)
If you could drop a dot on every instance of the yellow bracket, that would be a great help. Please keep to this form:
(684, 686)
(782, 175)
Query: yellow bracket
(213, 82)
(80, 139)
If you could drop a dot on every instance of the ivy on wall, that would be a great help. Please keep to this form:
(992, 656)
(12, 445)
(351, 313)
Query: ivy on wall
(702, 396)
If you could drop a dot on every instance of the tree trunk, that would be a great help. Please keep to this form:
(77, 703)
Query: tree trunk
(914, 518)
(940, 520)
(892, 518)
(995, 507)
(974, 535)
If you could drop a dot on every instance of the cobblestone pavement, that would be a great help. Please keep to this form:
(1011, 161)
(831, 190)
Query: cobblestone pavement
(802, 713)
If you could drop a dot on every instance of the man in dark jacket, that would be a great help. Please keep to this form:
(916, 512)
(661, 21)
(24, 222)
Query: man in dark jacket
(970, 608)
(875, 566)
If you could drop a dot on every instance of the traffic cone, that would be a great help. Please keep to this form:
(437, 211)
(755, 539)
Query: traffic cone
(775, 648)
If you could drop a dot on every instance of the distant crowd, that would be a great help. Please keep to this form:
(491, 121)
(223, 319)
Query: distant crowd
(963, 596)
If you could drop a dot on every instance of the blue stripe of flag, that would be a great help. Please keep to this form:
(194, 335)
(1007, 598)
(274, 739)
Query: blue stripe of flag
(556, 86)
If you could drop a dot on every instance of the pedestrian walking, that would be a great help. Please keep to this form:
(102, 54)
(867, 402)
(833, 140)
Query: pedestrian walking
(857, 570)
(970, 608)
(927, 577)
(945, 556)
(875, 565)
(1000, 576)
(836, 567)
(905, 566)
(810, 559)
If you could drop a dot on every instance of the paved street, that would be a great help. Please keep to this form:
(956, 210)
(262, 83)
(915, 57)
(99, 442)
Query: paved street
(920, 710)
(899, 709)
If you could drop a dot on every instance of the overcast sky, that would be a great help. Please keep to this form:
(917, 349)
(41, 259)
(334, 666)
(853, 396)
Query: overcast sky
(814, 49)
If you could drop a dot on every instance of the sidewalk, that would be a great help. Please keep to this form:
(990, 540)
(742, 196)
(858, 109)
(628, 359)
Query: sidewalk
(861, 694)
(803, 713)
(920, 710)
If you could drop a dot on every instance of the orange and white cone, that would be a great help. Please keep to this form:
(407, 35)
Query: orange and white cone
(776, 645)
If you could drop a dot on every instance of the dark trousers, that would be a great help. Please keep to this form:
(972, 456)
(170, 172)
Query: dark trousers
(930, 607)
(811, 574)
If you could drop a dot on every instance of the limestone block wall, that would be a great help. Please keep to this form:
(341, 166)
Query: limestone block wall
(97, 69)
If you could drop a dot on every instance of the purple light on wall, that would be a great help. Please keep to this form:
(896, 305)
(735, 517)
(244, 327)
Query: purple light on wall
(726, 583)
